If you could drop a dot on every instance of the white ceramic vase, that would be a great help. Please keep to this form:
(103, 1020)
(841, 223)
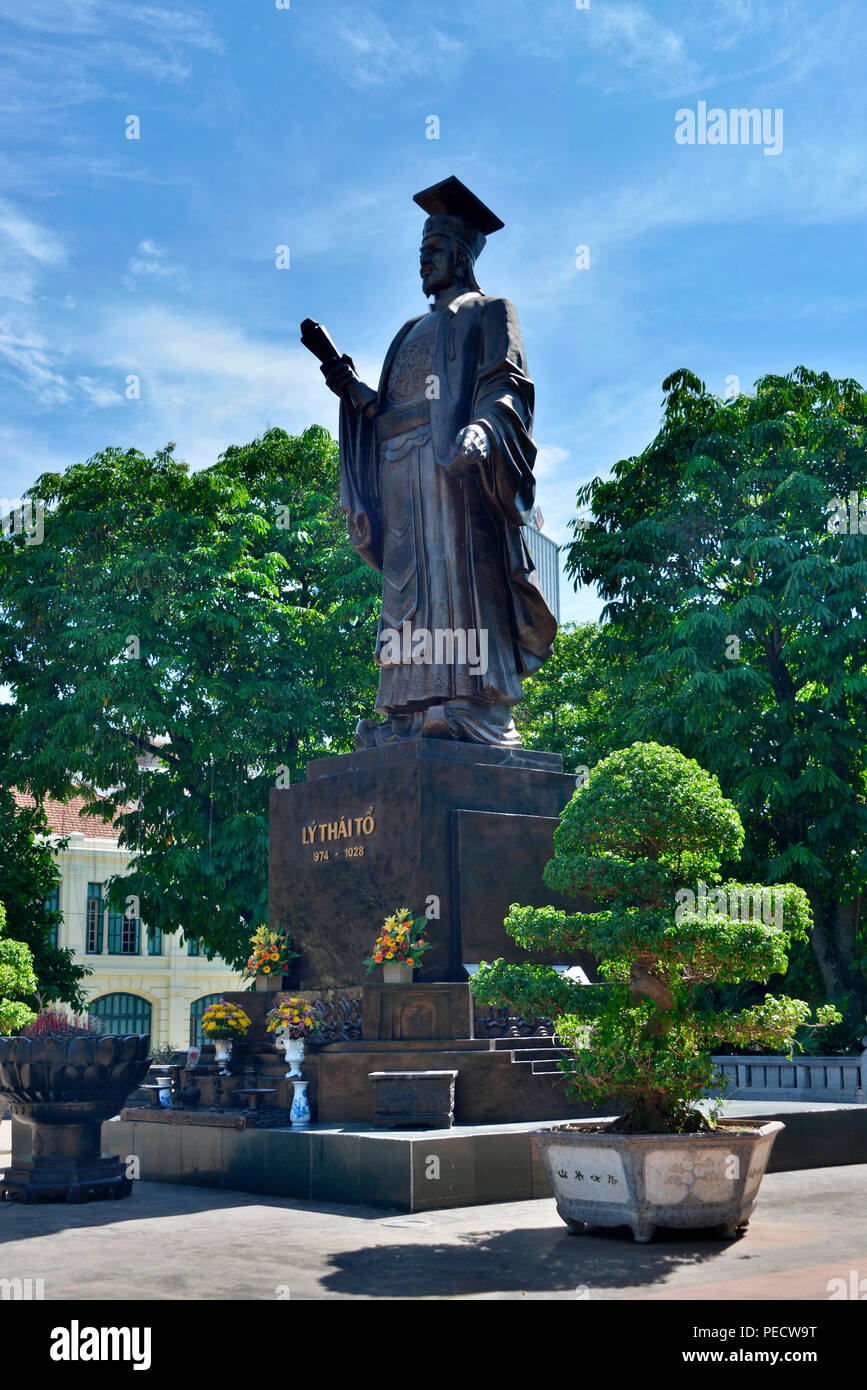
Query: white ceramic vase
(299, 1115)
(223, 1050)
(294, 1051)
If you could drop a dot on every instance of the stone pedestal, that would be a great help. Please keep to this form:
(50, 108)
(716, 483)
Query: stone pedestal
(414, 1099)
(411, 1012)
(460, 829)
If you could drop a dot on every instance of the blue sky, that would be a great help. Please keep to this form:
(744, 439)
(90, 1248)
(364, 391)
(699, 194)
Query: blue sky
(306, 127)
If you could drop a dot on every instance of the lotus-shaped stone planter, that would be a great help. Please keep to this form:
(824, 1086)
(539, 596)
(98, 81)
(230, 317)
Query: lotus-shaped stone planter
(64, 1088)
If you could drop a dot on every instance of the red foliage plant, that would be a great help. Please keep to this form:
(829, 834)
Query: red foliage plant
(50, 1023)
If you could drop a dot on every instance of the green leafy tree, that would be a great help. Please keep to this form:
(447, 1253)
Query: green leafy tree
(732, 556)
(17, 981)
(574, 704)
(28, 874)
(177, 645)
(648, 829)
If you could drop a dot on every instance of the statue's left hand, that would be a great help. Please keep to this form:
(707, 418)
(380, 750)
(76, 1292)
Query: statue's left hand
(473, 444)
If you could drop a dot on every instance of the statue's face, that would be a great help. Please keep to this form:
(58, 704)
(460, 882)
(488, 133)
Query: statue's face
(438, 263)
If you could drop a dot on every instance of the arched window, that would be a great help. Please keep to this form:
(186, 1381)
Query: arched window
(197, 1008)
(122, 1013)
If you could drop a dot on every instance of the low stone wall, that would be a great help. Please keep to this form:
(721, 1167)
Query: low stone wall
(794, 1078)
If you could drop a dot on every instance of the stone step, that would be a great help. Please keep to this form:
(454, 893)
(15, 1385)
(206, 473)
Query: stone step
(519, 1044)
(537, 1055)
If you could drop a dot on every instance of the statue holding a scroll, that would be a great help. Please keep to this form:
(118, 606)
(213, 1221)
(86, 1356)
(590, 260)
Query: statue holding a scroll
(437, 483)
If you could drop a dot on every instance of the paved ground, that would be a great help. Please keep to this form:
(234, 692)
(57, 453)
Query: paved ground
(171, 1242)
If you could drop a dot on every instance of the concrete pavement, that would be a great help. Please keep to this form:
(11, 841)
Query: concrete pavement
(173, 1242)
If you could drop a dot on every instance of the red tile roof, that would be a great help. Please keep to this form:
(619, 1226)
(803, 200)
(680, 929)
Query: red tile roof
(64, 817)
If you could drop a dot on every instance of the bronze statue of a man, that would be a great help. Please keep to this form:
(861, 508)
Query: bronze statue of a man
(437, 483)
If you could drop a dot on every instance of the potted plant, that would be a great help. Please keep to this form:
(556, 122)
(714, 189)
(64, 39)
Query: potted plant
(645, 838)
(222, 1023)
(270, 957)
(63, 1079)
(399, 947)
(293, 1021)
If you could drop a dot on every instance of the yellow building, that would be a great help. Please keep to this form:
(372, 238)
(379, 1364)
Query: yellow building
(139, 985)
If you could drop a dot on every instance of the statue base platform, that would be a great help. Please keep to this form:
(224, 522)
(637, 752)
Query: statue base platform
(459, 831)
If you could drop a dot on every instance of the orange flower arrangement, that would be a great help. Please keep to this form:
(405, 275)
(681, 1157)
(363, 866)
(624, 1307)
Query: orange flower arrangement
(400, 941)
(271, 953)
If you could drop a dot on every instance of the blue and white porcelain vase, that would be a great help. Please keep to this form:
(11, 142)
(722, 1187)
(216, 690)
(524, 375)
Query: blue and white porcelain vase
(299, 1115)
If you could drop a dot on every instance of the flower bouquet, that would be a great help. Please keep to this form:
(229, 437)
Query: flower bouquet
(270, 957)
(224, 1022)
(401, 944)
(293, 1021)
(294, 1017)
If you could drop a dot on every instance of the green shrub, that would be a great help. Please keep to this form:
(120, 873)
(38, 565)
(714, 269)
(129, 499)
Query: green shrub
(17, 979)
(645, 838)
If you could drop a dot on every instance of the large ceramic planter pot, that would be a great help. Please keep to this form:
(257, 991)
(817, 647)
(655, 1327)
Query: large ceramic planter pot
(650, 1180)
(397, 974)
(64, 1088)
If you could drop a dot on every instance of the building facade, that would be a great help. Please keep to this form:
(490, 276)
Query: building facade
(546, 557)
(139, 984)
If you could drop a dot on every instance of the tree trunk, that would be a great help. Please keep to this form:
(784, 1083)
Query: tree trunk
(824, 949)
(846, 922)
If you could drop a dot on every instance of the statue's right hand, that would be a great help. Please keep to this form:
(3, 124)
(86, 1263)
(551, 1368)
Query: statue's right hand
(339, 374)
(360, 530)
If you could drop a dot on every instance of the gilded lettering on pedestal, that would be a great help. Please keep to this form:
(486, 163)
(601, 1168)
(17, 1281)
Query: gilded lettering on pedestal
(344, 828)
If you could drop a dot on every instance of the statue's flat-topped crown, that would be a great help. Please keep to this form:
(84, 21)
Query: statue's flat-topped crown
(456, 211)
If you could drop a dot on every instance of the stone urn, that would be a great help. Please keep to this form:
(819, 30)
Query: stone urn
(64, 1088)
(648, 1180)
(293, 1049)
(393, 974)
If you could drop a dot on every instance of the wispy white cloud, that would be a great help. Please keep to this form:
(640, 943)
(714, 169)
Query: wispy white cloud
(58, 57)
(818, 183)
(369, 47)
(97, 392)
(638, 48)
(27, 248)
(151, 264)
(205, 380)
(34, 366)
(159, 23)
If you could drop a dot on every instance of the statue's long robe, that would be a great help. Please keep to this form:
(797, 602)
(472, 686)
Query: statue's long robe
(451, 549)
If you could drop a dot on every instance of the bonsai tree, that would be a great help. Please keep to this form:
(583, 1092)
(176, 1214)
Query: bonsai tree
(645, 838)
(17, 980)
